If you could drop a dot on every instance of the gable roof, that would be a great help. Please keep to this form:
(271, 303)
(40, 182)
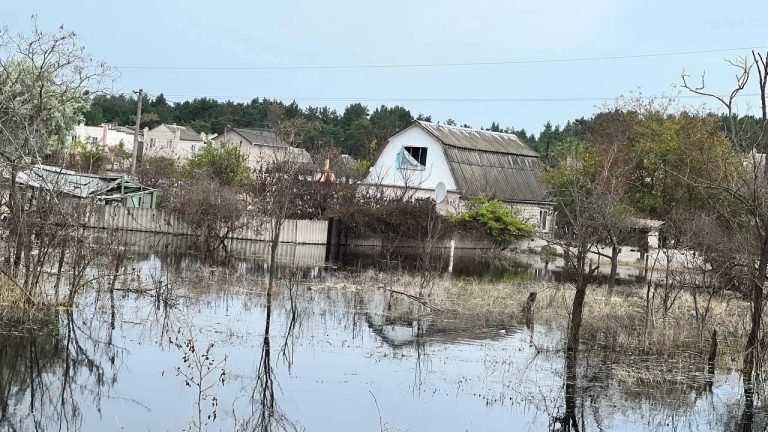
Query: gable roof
(260, 137)
(494, 164)
(185, 133)
(472, 139)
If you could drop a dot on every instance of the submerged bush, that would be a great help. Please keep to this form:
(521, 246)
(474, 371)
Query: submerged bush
(499, 221)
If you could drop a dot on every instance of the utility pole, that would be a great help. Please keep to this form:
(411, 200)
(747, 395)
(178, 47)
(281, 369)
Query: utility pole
(136, 132)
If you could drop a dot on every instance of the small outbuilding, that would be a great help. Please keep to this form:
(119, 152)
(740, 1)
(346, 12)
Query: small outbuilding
(116, 190)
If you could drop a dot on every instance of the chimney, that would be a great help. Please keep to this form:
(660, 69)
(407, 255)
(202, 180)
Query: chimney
(327, 165)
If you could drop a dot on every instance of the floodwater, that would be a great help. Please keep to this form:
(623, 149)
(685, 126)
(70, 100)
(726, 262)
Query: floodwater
(320, 358)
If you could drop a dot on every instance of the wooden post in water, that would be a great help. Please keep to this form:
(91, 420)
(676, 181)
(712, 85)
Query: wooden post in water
(528, 312)
(450, 258)
(528, 308)
(712, 352)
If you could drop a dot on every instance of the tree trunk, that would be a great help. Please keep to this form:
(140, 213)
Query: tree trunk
(751, 349)
(569, 421)
(59, 269)
(574, 327)
(712, 352)
(277, 226)
(614, 270)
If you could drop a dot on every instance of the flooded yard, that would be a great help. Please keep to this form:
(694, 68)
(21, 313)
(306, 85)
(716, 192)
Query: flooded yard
(324, 353)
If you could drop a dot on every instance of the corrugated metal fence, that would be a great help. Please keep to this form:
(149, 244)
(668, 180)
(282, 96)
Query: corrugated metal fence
(158, 221)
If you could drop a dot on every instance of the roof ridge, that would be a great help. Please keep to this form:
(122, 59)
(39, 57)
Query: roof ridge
(511, 152)
(468, 129)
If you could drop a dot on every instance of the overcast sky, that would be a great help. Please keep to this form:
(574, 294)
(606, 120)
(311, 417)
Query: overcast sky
(197, 33)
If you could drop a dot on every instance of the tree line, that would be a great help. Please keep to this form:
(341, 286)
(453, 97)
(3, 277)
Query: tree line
(357, 131)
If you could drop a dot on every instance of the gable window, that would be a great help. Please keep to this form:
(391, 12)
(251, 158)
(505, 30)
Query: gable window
(414, 158)
(152, 143)
(168, 144)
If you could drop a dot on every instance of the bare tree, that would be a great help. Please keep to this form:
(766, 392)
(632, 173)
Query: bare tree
(588, 192)
(212, 210)
(276, 192)
(744, 180)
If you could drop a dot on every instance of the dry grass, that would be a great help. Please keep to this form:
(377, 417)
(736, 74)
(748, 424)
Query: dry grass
(618, 325)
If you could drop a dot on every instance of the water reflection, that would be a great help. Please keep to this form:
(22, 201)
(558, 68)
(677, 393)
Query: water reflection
(266, 414)
(480, 264)
(568, 421)
(288, 348)
(49, 371)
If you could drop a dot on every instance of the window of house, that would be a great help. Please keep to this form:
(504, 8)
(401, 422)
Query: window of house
(419, 154)
(192, 147)
(94, 141)
(152, 143)
(168, 144)
(543, 216)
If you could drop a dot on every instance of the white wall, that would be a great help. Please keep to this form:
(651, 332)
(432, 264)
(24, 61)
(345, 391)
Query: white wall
(86, 134)
(385, 171)
(257, 156)
(180, 150)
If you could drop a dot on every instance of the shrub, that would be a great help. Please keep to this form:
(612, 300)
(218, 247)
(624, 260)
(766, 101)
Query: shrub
(224, 163)
(499, 221)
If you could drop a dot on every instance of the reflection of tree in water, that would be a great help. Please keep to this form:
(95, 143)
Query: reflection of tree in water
(46, 371)
(266, 414)
(568, 420)
(746, 416)
(603, 387)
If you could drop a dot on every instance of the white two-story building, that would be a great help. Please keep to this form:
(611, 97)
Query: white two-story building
(178, 142)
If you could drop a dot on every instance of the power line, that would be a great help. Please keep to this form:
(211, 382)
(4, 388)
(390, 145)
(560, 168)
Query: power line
(436, 65)
(435, 100)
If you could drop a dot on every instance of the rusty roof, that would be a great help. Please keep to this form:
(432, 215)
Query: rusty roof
(472, 139)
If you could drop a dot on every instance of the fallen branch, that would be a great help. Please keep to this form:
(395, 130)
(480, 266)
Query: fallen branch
(417, 299)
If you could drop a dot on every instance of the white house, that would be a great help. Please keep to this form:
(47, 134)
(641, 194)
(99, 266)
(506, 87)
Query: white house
(467, 162)
(262, 147)
(106, 135)
(178, 142)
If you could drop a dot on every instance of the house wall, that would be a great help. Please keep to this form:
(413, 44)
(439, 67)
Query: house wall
(531, 213)
(385, 171)
(180, 150)
(113, 137)
(453, 203)
(257, 156)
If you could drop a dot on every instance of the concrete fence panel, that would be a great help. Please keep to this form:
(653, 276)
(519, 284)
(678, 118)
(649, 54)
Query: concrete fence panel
(162, 222)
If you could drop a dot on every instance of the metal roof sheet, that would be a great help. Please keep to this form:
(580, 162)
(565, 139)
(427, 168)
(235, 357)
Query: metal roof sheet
(71, 182)
(503, 176)
(472, 139)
